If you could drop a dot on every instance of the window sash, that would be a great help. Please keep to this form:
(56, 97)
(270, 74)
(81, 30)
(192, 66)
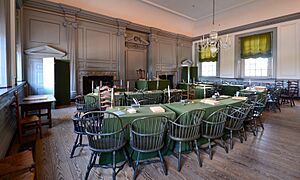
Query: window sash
(269, 69)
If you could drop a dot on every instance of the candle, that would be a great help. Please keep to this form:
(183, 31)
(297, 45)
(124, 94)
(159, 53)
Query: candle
(127, 86)
(157, 84)
(121, 83)
(100, 84)
(92, 86)
(147, 76)
(112, 97)
(169, 94)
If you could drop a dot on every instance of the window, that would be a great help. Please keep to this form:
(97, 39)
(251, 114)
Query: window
(256, 55)
(257, 67)
(209, 68)
(208, 62)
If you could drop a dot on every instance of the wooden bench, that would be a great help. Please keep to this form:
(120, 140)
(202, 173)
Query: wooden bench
(18, 166)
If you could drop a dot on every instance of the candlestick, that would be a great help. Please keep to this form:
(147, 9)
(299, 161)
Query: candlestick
(127, 86)
(169, 93)
(100, 84)
(157, 84)
(112, 97)
(92, 86)
(147, 76)
(121, 83)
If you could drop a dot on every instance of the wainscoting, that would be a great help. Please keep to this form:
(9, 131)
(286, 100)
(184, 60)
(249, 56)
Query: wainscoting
(8, 124)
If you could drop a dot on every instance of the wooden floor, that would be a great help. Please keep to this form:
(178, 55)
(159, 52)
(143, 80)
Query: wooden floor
(274, 154)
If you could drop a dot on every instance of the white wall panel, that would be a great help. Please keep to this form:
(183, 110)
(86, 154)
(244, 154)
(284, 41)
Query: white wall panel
(287, 63)
(227, 61)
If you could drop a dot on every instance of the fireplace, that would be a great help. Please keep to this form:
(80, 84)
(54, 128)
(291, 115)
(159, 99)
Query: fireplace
(85, 79)
(88, 81)
(169, 77)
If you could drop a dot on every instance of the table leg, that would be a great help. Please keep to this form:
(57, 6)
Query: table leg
(49, 117)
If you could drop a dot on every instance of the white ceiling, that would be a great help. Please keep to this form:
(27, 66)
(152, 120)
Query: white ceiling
(197, 9)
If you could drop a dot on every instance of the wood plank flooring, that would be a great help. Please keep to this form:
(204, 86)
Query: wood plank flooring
(273, 154)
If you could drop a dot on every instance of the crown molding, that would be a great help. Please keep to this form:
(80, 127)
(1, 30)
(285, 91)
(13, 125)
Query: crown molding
(83, 14)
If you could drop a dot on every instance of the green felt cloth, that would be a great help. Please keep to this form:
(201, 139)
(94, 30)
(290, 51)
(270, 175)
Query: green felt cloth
(143, 111)
(152, 85)
(119, 98)
(180, 108)
(199, 90)
(148, 94)
(230, 90)
(245, 92)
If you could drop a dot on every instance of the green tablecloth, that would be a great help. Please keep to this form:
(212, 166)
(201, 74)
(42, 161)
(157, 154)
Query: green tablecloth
(199, 88)
(156, 94)
(152, 84)
(202, 91)
(143, 111)
(119, 98)
(246, 92)
(230, 90)
(180, 108)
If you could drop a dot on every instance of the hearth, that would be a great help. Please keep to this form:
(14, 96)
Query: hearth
(87, 82)
(169, 77)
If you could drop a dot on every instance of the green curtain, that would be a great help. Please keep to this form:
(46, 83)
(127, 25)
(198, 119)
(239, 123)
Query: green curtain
(255, 46)
(206, 56)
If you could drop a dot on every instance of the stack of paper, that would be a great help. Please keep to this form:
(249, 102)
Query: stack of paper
(131, 111)
(210, 101)
(239, 98)
(157, 109)
(35, 98)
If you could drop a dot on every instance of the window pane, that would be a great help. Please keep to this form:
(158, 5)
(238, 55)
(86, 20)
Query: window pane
(256, 67)
(209, 68)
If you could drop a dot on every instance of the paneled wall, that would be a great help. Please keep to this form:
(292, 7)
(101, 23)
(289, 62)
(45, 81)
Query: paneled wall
(95, 44)
(40, 29)
(287, 64)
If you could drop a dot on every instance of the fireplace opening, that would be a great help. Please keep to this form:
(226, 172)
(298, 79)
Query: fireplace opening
(88, 82)
(167, 77)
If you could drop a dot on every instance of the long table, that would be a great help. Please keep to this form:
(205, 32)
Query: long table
(230, 89)
(172, 111)
(127, 118)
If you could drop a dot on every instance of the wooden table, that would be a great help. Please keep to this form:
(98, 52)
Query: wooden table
(37, 103)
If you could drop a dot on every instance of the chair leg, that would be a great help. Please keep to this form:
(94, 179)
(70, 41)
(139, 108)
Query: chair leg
(114, 165)
(198, 153)
(74, 146)
(224, 145)
(136, 166)
(245, 133)
(40, 128)
(240, 136)
(20, 134)
(179, 157)
(163, 163)
(90, 165)
(231, 143)
(127, 157)
(209, 149)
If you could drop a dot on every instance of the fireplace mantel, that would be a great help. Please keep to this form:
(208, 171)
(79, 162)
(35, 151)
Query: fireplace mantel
(82, 74)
